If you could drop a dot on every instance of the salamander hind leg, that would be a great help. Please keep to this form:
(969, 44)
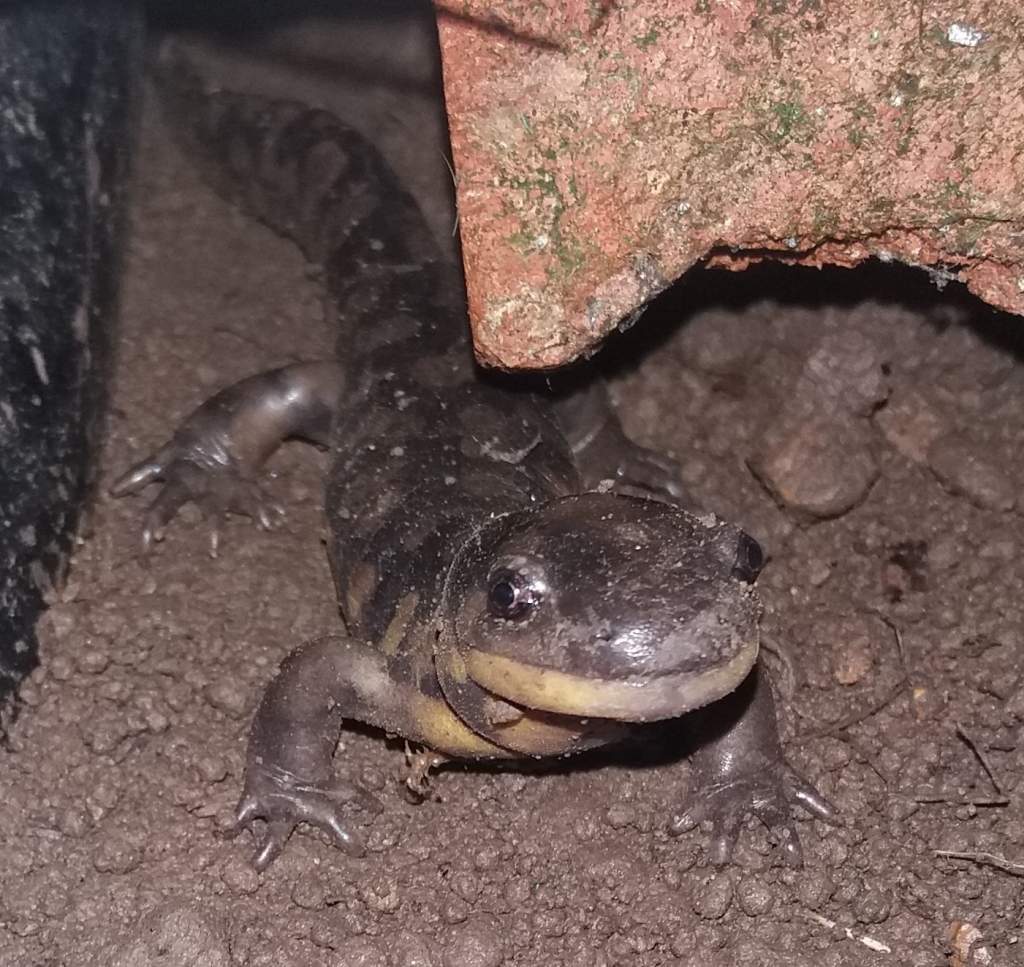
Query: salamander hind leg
(215, 455)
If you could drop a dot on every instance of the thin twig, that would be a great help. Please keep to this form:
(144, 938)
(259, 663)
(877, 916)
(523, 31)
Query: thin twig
(898, 636)
(868, 942)
(984, 859)
(947, 800)
(455, 184)
(774, 648)
(873, 709)
(498, 28)
(976, 749)
(857, 717)
(866, 758)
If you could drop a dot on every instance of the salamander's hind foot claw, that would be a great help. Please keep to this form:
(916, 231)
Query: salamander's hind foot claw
(767, 797)
(284, 801)
(193, 470)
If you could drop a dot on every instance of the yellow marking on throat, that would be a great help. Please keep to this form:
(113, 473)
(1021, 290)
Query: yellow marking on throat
(540, 733)
(442, 730)
(533, 733)
(629, 700)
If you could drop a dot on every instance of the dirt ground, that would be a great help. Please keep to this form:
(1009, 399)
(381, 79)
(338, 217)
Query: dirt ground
(894, 630)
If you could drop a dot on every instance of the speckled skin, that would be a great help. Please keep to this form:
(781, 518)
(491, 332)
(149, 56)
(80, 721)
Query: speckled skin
(497, 602)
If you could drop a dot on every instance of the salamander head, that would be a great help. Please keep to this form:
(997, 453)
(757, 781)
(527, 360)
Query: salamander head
(607, 606)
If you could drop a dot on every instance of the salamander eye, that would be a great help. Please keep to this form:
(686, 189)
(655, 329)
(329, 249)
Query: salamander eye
(511, 595)
(749, 559)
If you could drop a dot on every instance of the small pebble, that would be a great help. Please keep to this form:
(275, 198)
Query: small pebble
(486, 858)
(104, 736)
(330, 931)
(910, 425)
(106, 794)
(720, 343)
(955, 459)
(92, 662)
(454, 910)
(754, 896)
(116, 854)
(381, 895)
(156, 722)
(229, 697)
(684, 944)
(548, 923)
(73, 821)
(846, 370)
(479, 942)
(466, 886)
(60, 668)
(517, 890)
(410, 949)
(853, 656)
(61, 618)
(621, 815)
(360, 952)
(819, 573)
(814, 888)
(714, 899)
(239, 877)
(310, 891)
(872, 906)
(170, 935)
(213, 768)
(817, 467)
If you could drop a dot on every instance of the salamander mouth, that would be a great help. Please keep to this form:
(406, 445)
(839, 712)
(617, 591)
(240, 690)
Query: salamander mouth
(635, 699)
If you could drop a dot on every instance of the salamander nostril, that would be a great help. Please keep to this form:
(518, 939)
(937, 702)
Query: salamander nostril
(749, 559)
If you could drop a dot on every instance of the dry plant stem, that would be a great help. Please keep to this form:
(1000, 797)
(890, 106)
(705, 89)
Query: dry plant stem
(868, 942)
(984, 859)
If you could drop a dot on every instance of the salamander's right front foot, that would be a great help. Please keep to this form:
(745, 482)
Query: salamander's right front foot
(284, 800)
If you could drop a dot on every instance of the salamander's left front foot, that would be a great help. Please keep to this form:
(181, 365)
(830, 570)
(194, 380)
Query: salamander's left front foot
(767, 796)
(739, 770)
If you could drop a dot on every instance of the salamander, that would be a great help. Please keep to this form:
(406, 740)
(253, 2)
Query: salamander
(515, 577)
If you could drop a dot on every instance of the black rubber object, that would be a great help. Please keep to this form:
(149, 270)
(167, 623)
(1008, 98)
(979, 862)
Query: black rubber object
(69, 74)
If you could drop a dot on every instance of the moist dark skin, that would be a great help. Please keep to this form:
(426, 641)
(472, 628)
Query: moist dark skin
(514, 575)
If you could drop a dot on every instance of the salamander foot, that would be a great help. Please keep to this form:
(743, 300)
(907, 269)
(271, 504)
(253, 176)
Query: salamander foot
(769, 798)
(284, 800)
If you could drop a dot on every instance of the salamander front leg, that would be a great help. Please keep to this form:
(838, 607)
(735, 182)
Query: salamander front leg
(289, 773)
(740, 770)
